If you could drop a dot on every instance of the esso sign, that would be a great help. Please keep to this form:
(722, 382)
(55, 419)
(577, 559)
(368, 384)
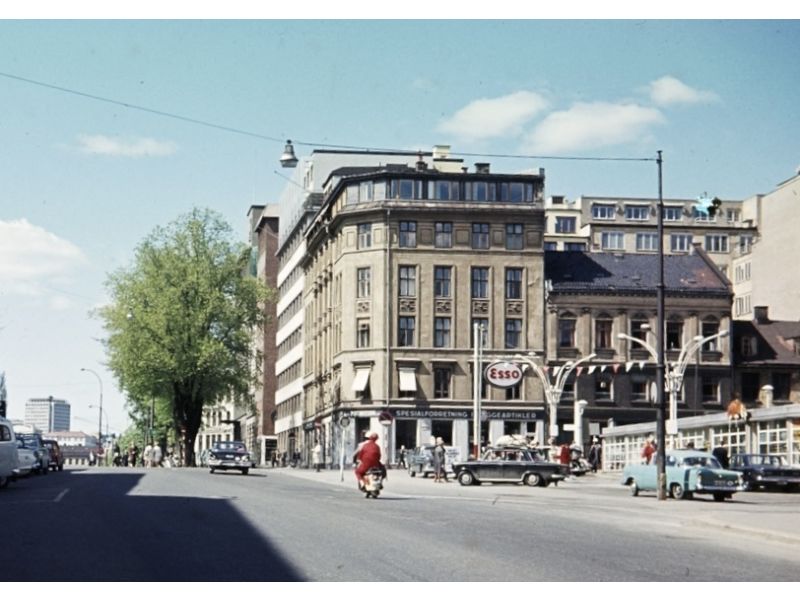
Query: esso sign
(503, 374)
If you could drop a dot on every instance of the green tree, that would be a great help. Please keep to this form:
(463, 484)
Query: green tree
(182, 320)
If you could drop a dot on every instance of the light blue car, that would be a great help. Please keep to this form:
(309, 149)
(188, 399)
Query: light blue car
(689, 472)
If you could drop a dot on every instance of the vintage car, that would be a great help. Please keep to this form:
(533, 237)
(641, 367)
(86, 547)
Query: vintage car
(27, 459)
(420, 460)
(766, 471)
(510, 464)
(9, 461)
(35, 442)
(226, 456)
(56, 456)
(688, 472)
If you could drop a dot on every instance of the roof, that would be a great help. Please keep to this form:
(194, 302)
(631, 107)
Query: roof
(775, 342)
(632, 273)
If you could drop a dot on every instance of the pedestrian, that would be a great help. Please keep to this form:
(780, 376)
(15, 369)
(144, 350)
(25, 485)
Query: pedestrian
(438, 460)
(133, 454)
(155, 456)
(274, 459)
(648, 450)
(564, 454)
(721, 454)
(595, 455)
(401, 460)
(147, 455)
(366, 457)
(92, 458)
(316, 457)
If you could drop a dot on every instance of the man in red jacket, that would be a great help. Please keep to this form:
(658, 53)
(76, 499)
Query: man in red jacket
(368, 455)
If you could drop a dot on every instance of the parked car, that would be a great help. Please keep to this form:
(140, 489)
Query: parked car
(27, 459)
(510, 464)
(9, 460)
(34, 442)
(766, 472)
(230, 455)
(420, 460)
(56, 456)
(688, 472)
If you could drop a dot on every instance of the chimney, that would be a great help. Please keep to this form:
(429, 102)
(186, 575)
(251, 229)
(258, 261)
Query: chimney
(762, 314)
(441, 151)
(482, 168)
(421, 164)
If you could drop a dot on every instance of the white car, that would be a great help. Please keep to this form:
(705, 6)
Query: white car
(28, 460)
(34, 443)
(8, 453)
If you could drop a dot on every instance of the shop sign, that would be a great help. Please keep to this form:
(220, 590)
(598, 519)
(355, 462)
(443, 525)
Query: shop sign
(503, 374)
(509, 415)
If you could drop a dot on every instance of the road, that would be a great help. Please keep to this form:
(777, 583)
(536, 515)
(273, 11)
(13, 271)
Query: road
(124, 524)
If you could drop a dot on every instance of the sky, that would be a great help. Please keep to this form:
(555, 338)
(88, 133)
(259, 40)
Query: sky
(83, 181)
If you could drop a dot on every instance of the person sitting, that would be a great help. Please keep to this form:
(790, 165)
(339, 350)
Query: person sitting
(368, 456)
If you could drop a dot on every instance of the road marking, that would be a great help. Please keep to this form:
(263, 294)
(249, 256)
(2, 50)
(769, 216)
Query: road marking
(61, 495)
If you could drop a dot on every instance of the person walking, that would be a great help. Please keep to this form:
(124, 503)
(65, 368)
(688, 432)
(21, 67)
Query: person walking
(147, 455)
(156, 455)
(316, 457)
(401, 457)
(648, 450)
(438, 460)
(595, 455)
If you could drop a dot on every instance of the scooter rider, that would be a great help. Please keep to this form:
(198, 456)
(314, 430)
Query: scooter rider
(368, 455)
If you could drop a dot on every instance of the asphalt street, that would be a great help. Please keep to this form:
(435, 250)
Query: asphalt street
(131, 524)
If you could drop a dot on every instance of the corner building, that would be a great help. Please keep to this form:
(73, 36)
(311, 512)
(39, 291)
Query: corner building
(401, 261)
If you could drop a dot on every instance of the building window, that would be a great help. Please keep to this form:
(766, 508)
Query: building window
(612, 240)
(513, 333)
(445, 190)
(513, 392)
(637, 212)
(646, 242)
(680, 242)
(552, 246)
(782, 385)
(673, 213)
(674, 334)
(483, 324)
(441, 332)
(640, 389)
(603, 387)
(716, 243)
(602, 332)
(408, 281)
(514, 236)
(700, 214)
(733, 215)
(604, 212)
(362, 334)
(364, 278)
(441, 281)
(408, 234)
(403, 189)
(745, 244)
(477, 191)
(365, 235)
(749, 346)
(574, 246)
(405, 331)
(566, 331)
(443, 235)
(441, 382)
(565, 224)
(710, 390)
(480, 282)
(480, 236)
(513, 284)
(710, 327)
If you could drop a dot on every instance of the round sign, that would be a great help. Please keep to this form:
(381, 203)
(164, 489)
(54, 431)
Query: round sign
(385, 418)
(503, 374)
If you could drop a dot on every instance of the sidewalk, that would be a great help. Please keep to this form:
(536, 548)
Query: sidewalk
(766, 515)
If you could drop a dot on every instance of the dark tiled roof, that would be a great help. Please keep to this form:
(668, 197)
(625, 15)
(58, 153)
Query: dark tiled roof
(604, 272)
(775, 342)
(391, 168)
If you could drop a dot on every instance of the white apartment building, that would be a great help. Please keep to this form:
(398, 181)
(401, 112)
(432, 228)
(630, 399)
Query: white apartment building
(48, 414)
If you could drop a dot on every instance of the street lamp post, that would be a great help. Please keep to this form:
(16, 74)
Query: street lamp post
(100, 412)
(673, 378)
(553, 388)
(477, 381)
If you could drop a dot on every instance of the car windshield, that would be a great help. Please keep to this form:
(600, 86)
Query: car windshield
(230, 446)
(31, 441)
(701, 461)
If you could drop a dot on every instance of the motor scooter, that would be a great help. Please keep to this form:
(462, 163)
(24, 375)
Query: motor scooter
(373, 482)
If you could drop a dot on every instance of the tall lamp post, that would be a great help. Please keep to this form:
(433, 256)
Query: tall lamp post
(478, 331)
(554, 387)
(100, 412)
(675, 371)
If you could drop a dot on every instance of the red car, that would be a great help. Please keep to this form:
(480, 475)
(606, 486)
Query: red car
(56, 456)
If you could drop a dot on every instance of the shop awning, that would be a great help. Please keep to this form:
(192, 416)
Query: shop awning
(408, 379)
(361, 379)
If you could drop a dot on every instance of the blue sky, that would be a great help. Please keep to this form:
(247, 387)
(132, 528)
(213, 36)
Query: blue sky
(83, 181)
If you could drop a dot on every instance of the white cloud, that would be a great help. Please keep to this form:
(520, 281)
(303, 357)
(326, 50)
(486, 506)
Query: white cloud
(587, 126)
(30, 255)
(494, 117)
(669, 90)
(133, 147)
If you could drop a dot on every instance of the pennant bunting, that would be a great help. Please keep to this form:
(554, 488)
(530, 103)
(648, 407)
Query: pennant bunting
(591, 369)
(628, 366)
(615, 367)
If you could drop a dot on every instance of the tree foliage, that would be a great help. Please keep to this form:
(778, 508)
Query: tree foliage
(182, 320)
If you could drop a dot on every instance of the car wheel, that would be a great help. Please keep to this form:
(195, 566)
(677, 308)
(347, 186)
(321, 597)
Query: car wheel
(212, 471)
(720, 497)
(466, 478)
(677, 491)
(533, 479)
(245, 471)
(634, 487)
(412, 473)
